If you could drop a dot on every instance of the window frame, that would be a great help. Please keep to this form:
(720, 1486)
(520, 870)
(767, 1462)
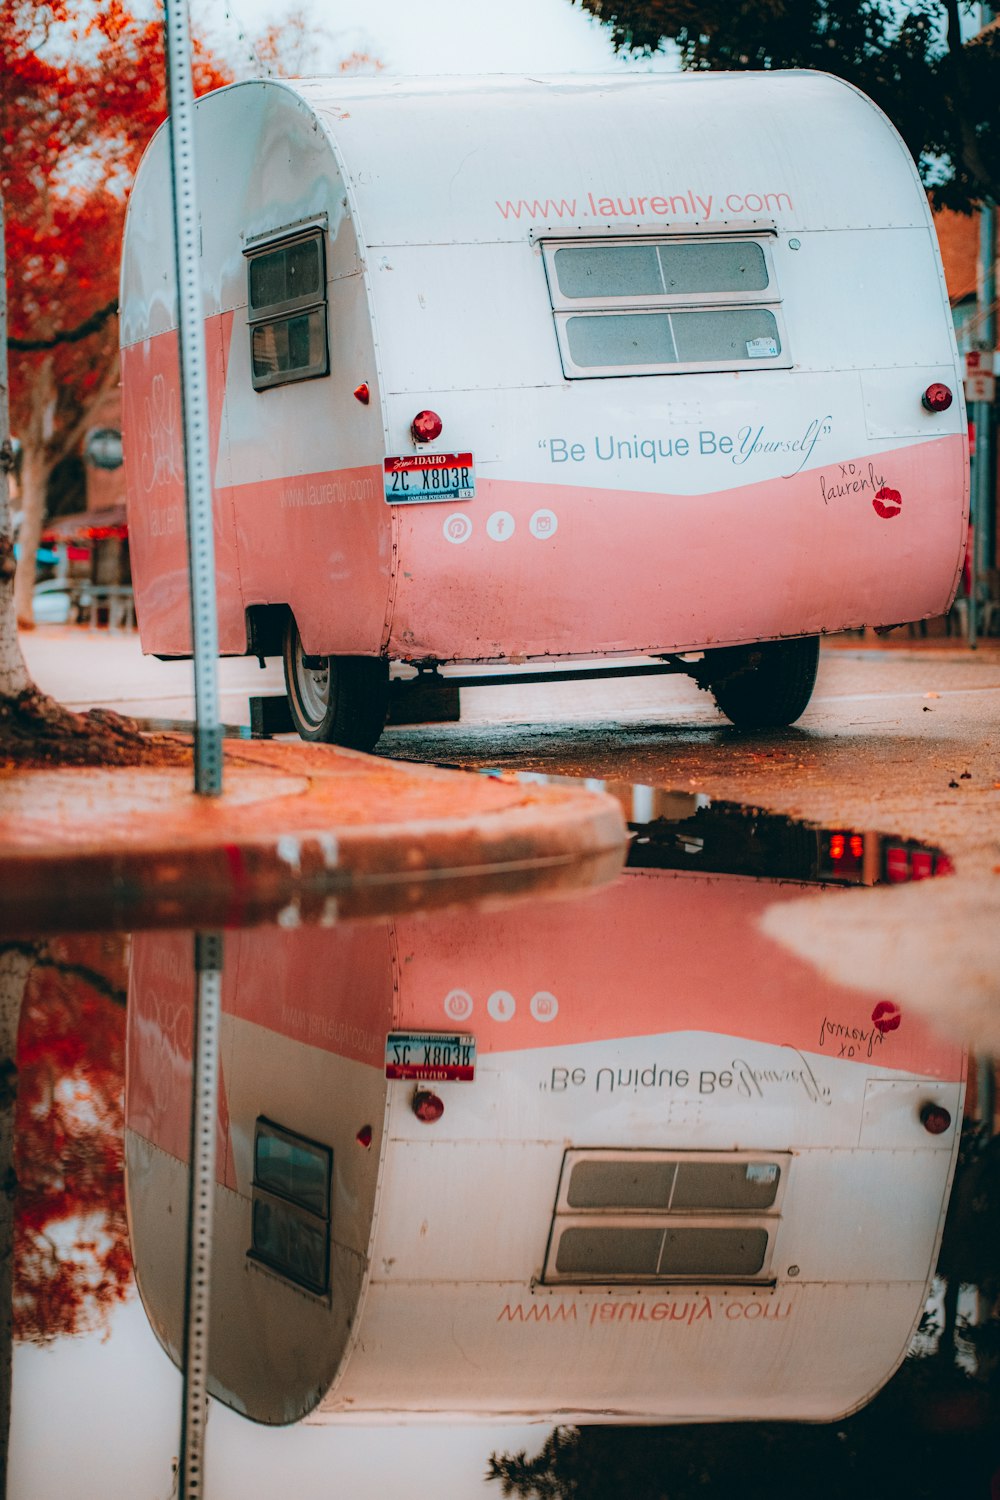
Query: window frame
(617, 1216)
(564, 307)
(273, 314)
(295, 1207)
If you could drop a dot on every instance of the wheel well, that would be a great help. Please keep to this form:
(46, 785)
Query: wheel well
(266, 628)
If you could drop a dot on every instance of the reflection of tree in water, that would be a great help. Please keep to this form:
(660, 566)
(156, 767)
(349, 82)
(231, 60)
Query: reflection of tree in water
(729, 838)
(970, 1255)
(71, 1256)
(920, 1439)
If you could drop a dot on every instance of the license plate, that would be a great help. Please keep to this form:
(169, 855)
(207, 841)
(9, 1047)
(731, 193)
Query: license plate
(416, 478)
(437, 1057)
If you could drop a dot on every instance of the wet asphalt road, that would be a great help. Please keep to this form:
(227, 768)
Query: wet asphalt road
(902, 738)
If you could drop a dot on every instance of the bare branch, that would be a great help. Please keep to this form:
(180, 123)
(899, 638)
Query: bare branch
(83, 330)
(72, 436)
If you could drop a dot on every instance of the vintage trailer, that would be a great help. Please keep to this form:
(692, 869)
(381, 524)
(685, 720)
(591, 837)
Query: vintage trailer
(580, 1161)
(534, 371)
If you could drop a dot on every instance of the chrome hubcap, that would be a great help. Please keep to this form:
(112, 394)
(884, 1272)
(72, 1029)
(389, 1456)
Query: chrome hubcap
(314, 687)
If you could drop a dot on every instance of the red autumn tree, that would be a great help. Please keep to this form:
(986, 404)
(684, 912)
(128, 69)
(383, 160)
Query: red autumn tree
(71, 1255)
(63, 1249)
(84, 90)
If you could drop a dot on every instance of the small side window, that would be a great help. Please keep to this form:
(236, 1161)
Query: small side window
(287, 311)
(290, 1216)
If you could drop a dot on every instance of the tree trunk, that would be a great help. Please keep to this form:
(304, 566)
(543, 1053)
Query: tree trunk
(33, 727)
(965, 106)
(35, 470)
(15, 966)
(42, 451)
(14, 677)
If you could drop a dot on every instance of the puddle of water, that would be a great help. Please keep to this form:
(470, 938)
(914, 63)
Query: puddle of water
(679, 830)
(661, 1194)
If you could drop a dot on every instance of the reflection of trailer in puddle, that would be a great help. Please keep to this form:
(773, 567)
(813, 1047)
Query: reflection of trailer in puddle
(690, 1180)
(680, 830)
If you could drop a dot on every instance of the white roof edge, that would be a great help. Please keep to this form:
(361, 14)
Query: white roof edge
(441, 83)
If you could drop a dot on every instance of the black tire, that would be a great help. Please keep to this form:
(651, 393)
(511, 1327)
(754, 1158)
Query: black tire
(336, 700)
(764, 686)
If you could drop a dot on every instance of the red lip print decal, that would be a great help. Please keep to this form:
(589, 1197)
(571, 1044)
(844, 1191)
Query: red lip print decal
(886, 1016)
(887, 503)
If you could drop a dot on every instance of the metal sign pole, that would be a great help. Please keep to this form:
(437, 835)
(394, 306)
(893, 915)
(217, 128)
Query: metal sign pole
(207, 739)
(975, 518)
(194, 405)
(985, 450)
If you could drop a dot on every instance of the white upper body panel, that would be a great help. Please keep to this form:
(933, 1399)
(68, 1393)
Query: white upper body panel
(663, 150)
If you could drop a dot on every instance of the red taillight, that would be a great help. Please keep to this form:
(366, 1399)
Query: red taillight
(935, 1119)
(362, 393)
(937, 397)
(836, 846)
(902, 864)
(857, 845)
(427, 1106)
(426, 426)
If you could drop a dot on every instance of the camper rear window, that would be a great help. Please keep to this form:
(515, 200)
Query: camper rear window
(664, 306)
(659, 1217)
(287, 311)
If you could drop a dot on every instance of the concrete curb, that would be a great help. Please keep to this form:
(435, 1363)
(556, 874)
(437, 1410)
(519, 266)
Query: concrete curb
(301, 833)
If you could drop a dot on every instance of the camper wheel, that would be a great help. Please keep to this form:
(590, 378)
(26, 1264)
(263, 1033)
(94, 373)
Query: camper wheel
(764, 686)
(339, 700)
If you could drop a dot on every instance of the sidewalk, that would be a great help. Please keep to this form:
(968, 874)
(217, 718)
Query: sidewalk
(907, 638)
(301, 833)
(84, 669)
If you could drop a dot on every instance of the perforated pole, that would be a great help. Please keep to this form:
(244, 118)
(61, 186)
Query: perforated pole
(201, 1202)
(194, 405)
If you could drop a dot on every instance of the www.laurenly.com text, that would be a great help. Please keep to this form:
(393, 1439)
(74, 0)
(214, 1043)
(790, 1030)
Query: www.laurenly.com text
(689, 205)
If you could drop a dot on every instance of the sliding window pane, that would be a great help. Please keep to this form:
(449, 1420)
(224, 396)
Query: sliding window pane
(693, 270)
(612, 1252)
(725, 336)
(713, 1252)
(596, 271)
(621, 339)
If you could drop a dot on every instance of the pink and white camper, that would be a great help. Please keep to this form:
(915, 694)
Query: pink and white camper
(521, 371)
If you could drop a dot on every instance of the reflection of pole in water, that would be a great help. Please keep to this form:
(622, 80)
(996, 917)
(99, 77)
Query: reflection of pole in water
(204, 1096)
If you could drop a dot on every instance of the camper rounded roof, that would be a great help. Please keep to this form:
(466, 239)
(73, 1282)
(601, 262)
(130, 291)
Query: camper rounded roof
(434, 160)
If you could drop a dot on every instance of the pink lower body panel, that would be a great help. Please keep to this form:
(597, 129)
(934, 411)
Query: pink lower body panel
(558, 570)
